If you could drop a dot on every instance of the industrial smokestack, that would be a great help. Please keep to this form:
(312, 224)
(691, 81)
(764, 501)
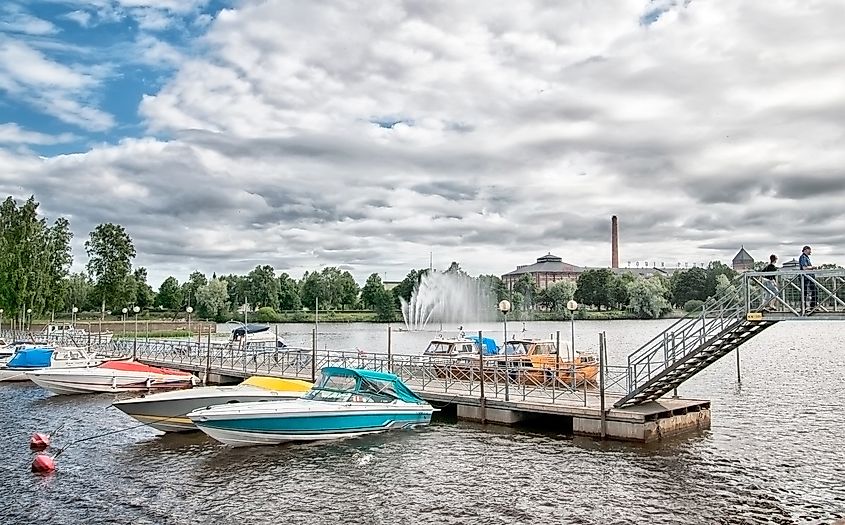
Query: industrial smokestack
(614, 242)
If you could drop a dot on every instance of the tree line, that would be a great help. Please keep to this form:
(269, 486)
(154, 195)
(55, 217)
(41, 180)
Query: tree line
(35, 259)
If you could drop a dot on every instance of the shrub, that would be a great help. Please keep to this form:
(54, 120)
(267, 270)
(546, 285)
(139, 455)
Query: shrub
(693, 305)
(266, 314)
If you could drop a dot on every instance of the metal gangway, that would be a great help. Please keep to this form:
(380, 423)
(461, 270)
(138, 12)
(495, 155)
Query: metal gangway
(754, 302)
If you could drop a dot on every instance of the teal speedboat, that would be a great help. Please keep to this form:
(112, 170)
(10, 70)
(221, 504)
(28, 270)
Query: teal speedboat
(344, 402)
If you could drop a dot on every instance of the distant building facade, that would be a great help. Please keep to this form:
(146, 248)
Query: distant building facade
(742, 261)
(550, 269)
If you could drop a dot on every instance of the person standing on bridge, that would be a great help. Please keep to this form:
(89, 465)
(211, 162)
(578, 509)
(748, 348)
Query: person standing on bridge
(770, 283)
(811, 292)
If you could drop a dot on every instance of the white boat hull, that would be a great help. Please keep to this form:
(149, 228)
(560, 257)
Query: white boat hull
(274, 422)
(96, 380)
(168, 411)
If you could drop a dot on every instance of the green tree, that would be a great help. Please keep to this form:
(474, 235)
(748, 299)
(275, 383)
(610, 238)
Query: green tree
(288, 293)
(714, 270)
(372, 291)
(407, 286)
(79, 291)
(59, 259)
(144, 294)
(496, 286)
(347, 291)
(556, 295)
(724, 288)
(212, 298)
(263, 287)
(110, 251)
(527, 287)
(34, 259)
(313, 288)
(238, 290)
(687, 285)
(169, 294)
(619, 289)
(648, 298)
(190, 288)
(595, 287)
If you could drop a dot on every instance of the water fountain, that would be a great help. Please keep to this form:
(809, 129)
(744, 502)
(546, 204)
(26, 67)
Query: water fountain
(448, 297)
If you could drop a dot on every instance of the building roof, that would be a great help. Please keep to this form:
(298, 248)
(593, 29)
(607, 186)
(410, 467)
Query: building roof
(743, 256)
(790, 264)
(547, 264)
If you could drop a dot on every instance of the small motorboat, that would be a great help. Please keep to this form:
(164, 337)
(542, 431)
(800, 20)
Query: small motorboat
(111, 376)
(31, 358)
(344, 402)
(167, 411)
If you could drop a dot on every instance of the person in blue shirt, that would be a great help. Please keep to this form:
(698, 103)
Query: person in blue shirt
(811, 291)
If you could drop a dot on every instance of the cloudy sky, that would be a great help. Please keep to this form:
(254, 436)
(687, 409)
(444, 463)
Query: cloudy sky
(369, 134)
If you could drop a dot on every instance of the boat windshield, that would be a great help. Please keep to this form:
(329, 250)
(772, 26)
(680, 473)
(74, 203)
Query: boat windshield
(346, 389)
(515, 348)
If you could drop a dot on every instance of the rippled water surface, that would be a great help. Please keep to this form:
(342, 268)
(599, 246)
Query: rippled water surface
(775, 454)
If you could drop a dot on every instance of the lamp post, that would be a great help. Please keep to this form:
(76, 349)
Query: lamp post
(189, 310)
(29, 314)
(123, 318)
(1, 320)
(73, 316)
(505, 307)
(135, 310)
(572, 305)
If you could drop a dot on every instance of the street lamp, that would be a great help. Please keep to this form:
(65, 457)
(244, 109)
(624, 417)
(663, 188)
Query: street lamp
(73, 316)
(189, 310)
(1, 320)
(124, 311)
(135, 310)
(572, 305)
(505, 307)
(29, 313)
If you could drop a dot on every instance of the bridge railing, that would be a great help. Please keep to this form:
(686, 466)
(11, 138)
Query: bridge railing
(684, 336)
(565, 383)
(796, 293)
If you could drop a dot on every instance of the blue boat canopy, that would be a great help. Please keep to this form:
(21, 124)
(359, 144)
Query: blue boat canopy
(488, 345)
(31, 358)
(378, 382)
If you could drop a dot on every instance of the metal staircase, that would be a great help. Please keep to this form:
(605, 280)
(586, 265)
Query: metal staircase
(754, 302)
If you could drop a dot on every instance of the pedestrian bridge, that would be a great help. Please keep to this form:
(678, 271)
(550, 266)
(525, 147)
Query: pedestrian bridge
(753, 303)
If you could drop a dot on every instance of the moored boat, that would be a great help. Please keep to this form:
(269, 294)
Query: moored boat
(167, 411)
(344, 402)
(111, 376)
(31, 358)
(537, 362)
(71, 334)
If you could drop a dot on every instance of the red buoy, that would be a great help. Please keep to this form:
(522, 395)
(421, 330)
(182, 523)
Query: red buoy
(43, 464)
(39, 441)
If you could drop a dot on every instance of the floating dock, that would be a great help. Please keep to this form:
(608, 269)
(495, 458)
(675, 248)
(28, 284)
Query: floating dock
(575, 412)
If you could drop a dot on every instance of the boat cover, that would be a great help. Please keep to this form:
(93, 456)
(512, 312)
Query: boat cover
(249, 329)
(278, 384)
(134, 366)
(31, 358)
(398, 388)
(487, 344)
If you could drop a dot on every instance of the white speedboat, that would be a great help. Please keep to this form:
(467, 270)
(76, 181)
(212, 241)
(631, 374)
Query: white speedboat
(32, 358)
(168, 411)
(344, 403)
(111, 376)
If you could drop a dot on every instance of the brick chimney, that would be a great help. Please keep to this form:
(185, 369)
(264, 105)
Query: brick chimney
(614, 242)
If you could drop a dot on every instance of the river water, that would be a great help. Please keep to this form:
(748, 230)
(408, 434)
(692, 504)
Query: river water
(774, 454)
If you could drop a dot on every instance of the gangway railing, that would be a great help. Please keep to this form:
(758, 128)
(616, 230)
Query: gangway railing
(752, 303)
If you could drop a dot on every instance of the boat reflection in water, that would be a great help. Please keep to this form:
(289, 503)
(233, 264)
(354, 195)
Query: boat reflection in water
(344, 402)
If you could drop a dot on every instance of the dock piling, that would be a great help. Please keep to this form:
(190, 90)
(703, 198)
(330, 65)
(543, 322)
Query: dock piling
(602, 357)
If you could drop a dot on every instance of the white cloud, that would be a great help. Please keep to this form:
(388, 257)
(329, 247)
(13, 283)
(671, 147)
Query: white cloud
(11, 133)
(83, 18)
(15, 20)
(309, 134)
(57, 89)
